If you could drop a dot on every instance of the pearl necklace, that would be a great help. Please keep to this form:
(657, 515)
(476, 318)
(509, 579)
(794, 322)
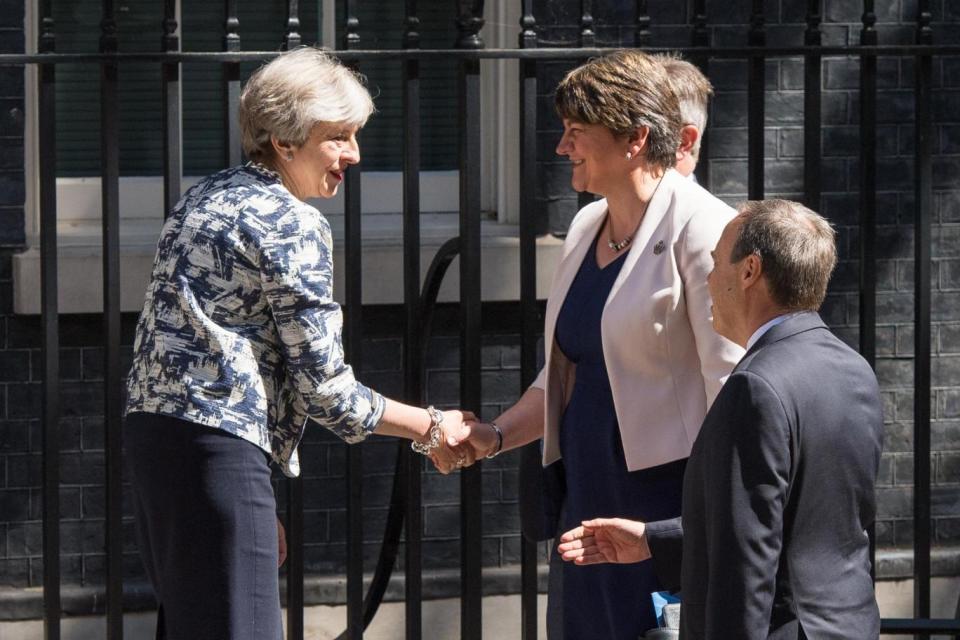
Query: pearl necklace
(619, 246)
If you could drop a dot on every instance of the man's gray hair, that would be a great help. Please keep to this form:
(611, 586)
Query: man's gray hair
(796, 247)
(293, 93)
(693, 91)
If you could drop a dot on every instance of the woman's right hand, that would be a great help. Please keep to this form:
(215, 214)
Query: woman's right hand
(454, 451)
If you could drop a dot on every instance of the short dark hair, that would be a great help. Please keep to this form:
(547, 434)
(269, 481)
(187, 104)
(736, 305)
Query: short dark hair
(796, 247)
(623, 91)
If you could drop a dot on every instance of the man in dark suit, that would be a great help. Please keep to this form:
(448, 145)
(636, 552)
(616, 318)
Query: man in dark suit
(779, 487)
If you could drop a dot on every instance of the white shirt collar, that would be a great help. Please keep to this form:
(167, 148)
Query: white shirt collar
(766, 326)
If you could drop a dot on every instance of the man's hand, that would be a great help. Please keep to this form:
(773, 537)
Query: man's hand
(281, 543)
(605, 540)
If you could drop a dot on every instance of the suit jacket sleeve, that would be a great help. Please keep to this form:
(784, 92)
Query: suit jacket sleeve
(665, 539)
(718, 356)
(747, 460)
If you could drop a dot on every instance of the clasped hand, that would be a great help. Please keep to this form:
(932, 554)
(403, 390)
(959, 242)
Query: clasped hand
(465, 441)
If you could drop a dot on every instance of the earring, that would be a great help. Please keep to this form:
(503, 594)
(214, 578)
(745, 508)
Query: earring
(629, 156)
(289, 156)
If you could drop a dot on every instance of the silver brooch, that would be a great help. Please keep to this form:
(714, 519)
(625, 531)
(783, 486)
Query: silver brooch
(659, 248)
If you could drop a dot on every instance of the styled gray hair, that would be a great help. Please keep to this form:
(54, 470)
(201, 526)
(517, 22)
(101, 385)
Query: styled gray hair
(293, 93)
(796, 247)
(693, 91)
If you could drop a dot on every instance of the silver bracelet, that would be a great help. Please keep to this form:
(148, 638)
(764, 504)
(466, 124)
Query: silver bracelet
(435, 433)
(493, 425)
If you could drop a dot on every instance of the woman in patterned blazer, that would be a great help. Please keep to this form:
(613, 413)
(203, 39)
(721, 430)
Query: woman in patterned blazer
(238, 345)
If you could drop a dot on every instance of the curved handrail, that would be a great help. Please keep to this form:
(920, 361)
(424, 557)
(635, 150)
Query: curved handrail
(398, 495)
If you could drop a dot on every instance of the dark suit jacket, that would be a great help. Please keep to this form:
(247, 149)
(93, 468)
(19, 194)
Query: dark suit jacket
(778, 493)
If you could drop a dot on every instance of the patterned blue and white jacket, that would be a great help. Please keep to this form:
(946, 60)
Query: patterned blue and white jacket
(239, 330)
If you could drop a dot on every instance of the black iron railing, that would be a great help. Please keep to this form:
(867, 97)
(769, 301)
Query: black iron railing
(469, 51)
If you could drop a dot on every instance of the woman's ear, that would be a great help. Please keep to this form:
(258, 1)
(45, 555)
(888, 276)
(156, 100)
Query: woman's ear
(283, 150)
(637, 141)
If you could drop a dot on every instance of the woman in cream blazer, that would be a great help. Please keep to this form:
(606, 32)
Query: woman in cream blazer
(622, 409)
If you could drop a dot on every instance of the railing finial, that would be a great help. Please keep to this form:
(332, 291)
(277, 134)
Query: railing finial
(292, 38)
(641, 34)
(528, 26)
(469, 24)
(170, 41)
(411, 35)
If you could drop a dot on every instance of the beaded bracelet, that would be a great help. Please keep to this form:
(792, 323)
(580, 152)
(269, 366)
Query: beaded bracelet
(435, 433)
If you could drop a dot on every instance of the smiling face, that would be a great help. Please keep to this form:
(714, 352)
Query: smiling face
(597, 156)
(317, 167)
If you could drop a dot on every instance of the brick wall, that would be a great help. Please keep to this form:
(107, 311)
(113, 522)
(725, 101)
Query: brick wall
(82, 470)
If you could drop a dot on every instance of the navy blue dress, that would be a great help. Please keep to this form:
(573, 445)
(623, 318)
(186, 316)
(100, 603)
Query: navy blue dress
(608, 600)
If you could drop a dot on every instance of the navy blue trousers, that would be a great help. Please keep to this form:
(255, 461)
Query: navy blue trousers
(206, 525)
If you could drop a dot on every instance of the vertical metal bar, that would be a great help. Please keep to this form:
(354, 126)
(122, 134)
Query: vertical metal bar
(529, 219)
(231, 80)
(868, 207)
(641, 34)
(172, 116)
(50, 346)
(755, 107)
(294, 488)
(812, 109)
(291, 40)
(294, 529)
(413, 556)
(471, 534)
(587, 35)
(110, 195)
(354, 331)
(923, 177)
(700, 37)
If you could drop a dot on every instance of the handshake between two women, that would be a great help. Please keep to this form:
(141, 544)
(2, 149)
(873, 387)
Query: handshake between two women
(457, 439)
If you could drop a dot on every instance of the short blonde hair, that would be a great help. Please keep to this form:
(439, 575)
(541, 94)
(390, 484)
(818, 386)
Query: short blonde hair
(693, 90)
(293, 93)
(623, 91)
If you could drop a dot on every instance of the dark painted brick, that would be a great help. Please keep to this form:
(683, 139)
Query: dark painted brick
(946, 105)
(884, 532)
(23, 401)
(945, 435)
(783, 176)
(894, 502)
(949, 338)
(14, 365)
(949, 209)
(14, 572)
(944, 500)
(728, 177)
(947, 530)
(946, 371)
(382, 355)
(23, 539)
(905, 340)
(903, 532)
(903, 469)
(948, 468)
(885, 473)
(15, 504)
(14, 436)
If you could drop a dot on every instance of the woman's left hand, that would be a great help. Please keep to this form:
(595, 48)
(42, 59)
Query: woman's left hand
(281, 543)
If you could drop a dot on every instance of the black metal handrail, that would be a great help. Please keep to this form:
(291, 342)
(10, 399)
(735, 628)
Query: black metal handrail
(553, 53)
